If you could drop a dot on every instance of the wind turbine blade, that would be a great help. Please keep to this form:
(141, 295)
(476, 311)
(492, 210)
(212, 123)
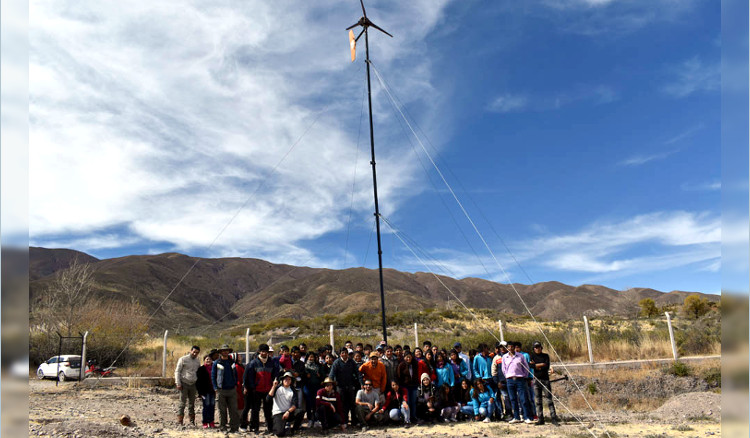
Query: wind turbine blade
(352, 26)
(376, 27)
(352, 45)
(363, 8)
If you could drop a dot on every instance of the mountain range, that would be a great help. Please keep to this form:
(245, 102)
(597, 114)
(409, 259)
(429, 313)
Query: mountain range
(254, 289)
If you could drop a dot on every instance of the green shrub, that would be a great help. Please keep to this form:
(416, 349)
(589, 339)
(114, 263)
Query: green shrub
(591, 388)
(678, 369)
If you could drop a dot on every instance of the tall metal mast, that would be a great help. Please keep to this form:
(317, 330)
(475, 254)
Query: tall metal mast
(366, 24)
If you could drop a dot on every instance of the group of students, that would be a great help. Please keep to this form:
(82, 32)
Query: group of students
(365, 387)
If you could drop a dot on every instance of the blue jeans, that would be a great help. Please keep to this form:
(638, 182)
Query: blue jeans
(412, 393)
(397, 414)
(488, 411)
(209, 405)
(530, 398)
(309, 392)
(468, 410)
(502, 403)
(518, 394)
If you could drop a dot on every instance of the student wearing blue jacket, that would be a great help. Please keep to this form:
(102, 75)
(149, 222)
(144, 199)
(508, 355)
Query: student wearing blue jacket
(482, 368)
(483, 401)
(224, 380)
(444, 371)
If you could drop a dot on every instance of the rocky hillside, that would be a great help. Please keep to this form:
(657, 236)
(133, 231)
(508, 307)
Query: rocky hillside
(232, 287)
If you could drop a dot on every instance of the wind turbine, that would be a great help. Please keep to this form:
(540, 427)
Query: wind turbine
(366, 25)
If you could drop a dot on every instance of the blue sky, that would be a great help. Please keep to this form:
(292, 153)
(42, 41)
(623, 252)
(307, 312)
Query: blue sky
(583, 135)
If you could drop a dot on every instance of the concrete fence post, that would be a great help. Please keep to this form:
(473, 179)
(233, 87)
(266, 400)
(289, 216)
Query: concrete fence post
(164, 357)
(416, 336)
(247, 346)
(331, 334)
(588, 339)
(83, 356)
(500, 325)
(671, 336)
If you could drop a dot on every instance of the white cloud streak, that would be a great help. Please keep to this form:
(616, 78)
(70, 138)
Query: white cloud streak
(692, 76)
(163, 119)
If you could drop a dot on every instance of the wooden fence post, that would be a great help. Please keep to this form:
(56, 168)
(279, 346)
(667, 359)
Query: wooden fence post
(671, 337)
(164, 357)
(416, 336)
(588, 339)
(500, 324)
(332, 347)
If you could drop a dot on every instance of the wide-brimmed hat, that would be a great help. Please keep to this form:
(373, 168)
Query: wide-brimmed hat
(225, 347)
(328, 380)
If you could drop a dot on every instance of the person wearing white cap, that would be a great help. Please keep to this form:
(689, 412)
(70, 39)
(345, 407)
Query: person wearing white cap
(502, 401)
(285, 402)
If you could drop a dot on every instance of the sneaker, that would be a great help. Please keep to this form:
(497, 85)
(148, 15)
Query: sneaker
(555, 421)
(364, 428)
(539, 423)
(205, 425)
(407, 425)
(486, 420)
(243, 429)
(445, 420)
(453, 419)
(514, 421)
(528, 421)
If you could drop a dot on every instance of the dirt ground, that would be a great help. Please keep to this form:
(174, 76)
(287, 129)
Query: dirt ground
(72, 410)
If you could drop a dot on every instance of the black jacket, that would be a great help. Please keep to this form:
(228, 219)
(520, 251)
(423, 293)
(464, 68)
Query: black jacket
(345, 374)
(203, 384)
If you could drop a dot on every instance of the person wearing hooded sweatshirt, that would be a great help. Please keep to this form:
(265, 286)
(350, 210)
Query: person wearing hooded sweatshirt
(259, 376)
(426, 409)
(483, 401)
(444, 371)
(224, 380)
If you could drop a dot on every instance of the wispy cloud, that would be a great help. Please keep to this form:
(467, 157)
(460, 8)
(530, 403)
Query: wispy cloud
(692, 76)
(637, 160)
(686, 134)
(169, 120)
(508, 103)
(589, 94)
(709, 186)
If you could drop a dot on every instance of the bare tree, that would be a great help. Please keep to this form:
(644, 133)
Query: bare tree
(66, 296)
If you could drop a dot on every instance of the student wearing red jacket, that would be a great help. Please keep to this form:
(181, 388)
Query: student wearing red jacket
(257, 381)
(397, 404)
(328, 406)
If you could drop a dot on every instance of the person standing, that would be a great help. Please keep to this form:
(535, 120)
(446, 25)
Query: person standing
(259, 376)
(206, 391)
(529, 381)
(502, 402)
(344, 373)
(375, 371)
(285, 399)
(540, 363)
(515, 369)
(407, 376)
(313, 371)
(483, 365)
(184, 379)
(224, 379)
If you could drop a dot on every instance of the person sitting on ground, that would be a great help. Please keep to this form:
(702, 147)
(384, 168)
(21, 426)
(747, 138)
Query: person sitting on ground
(285, 401)
(465, 405)
(426, 409)
(206, 391)
(314, 375)
(396, 404)
(446, 404)
(483, 401)
(224, 380)
(184, 379)
(328, 406)
(375, 371)
(367, 406)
